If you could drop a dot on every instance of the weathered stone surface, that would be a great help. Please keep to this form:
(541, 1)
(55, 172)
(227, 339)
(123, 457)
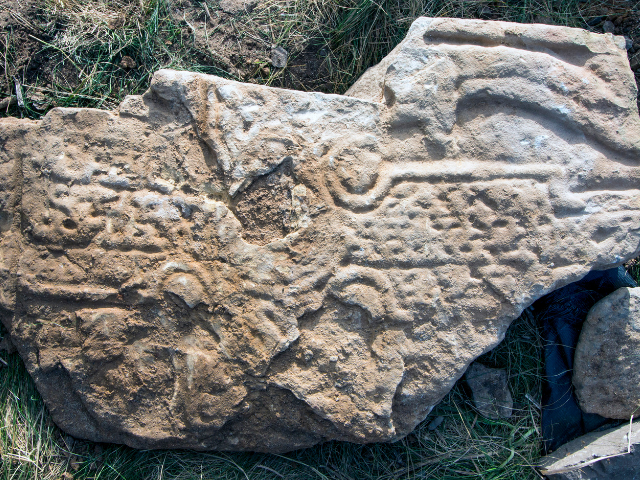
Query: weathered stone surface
(608, 455)
(232, 266)
(606, 371)
(491, 394)
(237, 6)
(279, 57)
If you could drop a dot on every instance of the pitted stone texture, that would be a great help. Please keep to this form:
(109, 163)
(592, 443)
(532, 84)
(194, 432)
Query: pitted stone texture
(606, 371)
(232, 266)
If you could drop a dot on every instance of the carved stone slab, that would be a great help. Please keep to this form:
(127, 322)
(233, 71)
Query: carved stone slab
(232, 266)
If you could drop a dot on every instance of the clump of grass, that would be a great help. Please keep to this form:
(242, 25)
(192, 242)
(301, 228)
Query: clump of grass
(633, 269)
(27, 445)
(464, 445)
(359, 33)
(82, 44)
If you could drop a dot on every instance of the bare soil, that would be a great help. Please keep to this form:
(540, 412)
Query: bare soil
(242, 43)
(22, 53)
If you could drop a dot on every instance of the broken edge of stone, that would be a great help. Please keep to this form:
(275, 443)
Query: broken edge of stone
(590, 448)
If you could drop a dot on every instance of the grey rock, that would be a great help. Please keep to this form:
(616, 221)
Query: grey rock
(595, 21)
(608, 26)
(628, 43)
(484, 11)
(435, 423)
(543, 19)
(611, 454)
(279, 57)
(7, 102)
(38, 100)
(606, 373)
(220, 265)
(236, 6)
(490, 390)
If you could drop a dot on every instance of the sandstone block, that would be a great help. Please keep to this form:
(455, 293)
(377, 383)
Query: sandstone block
(220, 265)
(606, 371)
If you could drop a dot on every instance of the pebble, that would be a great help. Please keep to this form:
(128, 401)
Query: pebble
(595, 21)
(490, 391)
(279, 57)
(608, 26)
(435, 423)
(8, 101)
(38, 100)
(628, 43)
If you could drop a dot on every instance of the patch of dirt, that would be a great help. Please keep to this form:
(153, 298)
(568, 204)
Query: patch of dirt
(19, 49)
(215, 31)
(241, 44)
(265, 207)
(25, 32)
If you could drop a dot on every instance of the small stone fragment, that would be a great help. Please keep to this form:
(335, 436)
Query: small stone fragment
(484, 11)
(596, 456)
(628, 43)
(19, 97)
(8, 101)
(606, 373)
(544, 19)
(38, 100)
(128, 63)
(595, 21)
(279, 57)
(435, 423)
(608, 26)
(236, 6)
(490, 390)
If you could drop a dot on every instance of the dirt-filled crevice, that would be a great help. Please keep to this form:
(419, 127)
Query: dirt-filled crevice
(264, 208)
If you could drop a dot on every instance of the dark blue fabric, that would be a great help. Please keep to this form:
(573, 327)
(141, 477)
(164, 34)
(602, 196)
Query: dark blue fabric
(560, 315)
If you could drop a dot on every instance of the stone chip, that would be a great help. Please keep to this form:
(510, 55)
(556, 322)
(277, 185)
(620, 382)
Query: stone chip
(491, 394)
